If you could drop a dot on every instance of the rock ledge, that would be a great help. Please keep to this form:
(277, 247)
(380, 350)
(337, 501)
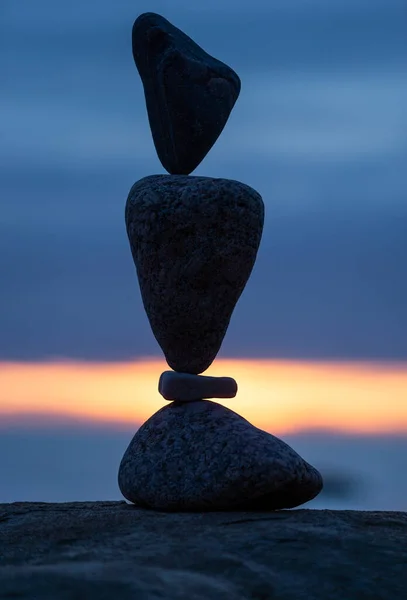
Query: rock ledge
(111, 550)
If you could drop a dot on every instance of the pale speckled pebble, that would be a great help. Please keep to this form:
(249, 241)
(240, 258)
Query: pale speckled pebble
(185, 387)
(201, 456)
(194, 241)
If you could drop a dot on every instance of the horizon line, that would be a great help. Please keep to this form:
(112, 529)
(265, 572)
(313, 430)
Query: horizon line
(49, 421)
(275, 395)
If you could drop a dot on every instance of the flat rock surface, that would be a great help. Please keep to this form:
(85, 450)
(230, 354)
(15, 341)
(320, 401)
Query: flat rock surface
(111, 550)
(194, 241)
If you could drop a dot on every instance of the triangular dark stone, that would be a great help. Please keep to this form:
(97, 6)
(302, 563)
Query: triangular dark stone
(194, 241)
(189, 94)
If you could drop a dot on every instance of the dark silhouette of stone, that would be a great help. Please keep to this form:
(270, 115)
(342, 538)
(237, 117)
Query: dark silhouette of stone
(200, 456)
(189, 94)
(194, 241)
(184, 387)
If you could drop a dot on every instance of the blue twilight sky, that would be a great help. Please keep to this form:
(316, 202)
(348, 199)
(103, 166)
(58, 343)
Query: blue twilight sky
(319, 130)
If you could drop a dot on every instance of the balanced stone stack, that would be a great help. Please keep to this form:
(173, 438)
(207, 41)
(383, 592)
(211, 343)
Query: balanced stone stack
(194, 242)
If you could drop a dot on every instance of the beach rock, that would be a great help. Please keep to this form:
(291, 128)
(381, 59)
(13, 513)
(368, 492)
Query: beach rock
(115, 551)
(201, 456)
(194, 242)
(184, 387)
(189, 94)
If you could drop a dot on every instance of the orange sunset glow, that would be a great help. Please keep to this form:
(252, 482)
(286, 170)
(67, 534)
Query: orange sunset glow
(279, 396)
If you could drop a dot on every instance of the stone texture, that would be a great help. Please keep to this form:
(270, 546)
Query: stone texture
(201, 456)
(113, 551)
(185, 387)
(189, 94)
(194, 241)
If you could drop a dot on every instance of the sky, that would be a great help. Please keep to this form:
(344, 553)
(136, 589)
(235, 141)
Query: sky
(319, 336)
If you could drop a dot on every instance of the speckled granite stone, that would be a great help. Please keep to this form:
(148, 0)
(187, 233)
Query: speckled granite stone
(194, 241)
(201, 456)
(189, 94)
(185, 387)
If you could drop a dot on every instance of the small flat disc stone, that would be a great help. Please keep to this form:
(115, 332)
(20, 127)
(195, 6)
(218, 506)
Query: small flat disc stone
(184, 387)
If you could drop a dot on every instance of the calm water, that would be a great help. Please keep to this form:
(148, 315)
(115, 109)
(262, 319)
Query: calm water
(78, 463)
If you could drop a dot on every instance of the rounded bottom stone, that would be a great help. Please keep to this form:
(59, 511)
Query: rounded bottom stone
(201, 456)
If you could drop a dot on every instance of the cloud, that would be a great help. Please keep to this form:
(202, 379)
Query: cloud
(318, 130)
(320, 117)
(40, 132)
(308, 117)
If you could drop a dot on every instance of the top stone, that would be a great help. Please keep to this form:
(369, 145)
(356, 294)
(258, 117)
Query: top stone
(189, 94)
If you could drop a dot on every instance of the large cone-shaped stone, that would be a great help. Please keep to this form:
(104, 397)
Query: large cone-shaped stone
(202, 456)
(189, 94)
(194, 241)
